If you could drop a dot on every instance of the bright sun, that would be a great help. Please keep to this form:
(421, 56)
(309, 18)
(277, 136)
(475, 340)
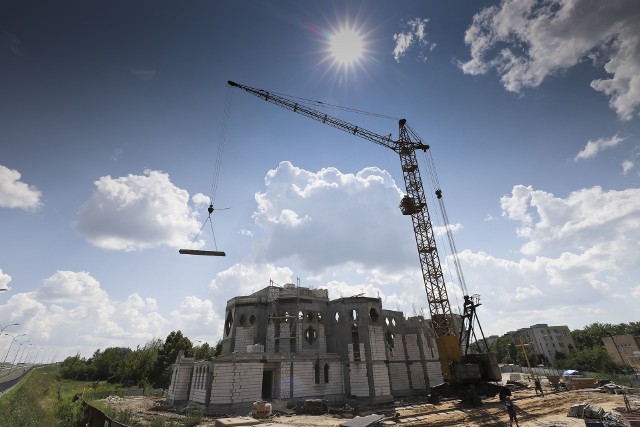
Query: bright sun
(346, 47)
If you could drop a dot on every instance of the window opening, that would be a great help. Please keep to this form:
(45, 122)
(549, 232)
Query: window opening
(227, 324)
(355, 339)
(326, 373)
(373, 314)
(316, 369)
(252, 319)
(310, 335)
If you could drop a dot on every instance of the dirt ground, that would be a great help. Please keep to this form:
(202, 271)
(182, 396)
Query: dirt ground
(548, 411)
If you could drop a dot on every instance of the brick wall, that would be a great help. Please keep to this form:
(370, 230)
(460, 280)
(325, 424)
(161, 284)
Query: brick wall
(434, 373)
(358, 379)
(271, 333)
(399, 377)
(376, 338)
(417, 376)
(244, 337)
(381, 386)
(236, 383)
(179, 390)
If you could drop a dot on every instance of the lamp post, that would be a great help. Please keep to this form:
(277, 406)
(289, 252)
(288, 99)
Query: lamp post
(26, 357)
(11, 345)
(36, 356)
(2, 328)
(13, 363)
(26, 350)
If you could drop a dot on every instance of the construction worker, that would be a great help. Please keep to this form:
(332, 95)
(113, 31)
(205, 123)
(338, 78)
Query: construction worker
(538, 386)
(627, 404)
(511, 410)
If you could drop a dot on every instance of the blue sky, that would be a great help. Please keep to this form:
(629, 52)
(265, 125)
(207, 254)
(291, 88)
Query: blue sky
(116, 119)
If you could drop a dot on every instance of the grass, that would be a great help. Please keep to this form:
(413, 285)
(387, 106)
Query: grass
(31, 402)
(43, 399)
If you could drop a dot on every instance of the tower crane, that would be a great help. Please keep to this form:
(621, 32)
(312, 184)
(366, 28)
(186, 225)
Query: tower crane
(458, 370)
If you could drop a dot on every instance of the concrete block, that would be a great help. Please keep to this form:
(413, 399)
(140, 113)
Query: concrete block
(235, 422)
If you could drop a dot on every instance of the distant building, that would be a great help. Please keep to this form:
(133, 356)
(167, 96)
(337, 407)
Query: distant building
(546, 340)
(624, 349)
(293, 343)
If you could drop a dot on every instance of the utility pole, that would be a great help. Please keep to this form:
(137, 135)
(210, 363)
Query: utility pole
(523, 345)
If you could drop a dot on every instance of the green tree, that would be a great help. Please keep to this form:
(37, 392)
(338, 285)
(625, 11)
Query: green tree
(75, 368)
(161, 372)
(136, 368)
(107, 363)
(505, 349)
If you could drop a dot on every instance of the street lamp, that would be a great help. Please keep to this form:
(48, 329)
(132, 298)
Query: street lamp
(36, 356)
(10, 345)
(2, 328)
(17, 352)
(24, 354)
(26, 357)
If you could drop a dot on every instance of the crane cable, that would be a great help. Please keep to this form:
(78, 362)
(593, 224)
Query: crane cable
(217, 166)
(222, 138)
(311, 102)
(433, 176)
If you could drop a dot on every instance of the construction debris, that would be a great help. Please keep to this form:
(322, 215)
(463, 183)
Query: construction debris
(369, 420)
(595, 412)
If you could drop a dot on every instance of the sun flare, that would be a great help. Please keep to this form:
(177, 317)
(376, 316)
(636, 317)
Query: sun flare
(346, 47)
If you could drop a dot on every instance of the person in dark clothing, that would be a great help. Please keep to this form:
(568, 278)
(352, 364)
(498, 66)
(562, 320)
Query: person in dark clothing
(538, 386)
(511, 410)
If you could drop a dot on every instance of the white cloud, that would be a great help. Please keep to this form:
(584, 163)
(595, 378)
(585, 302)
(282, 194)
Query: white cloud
(71, 312)
(15, 193)
(199, 318)
(594, 147)
(138, 212)
(526, 41)
(587, 218)
(415, 34)
(5, 279)
(627, 165)
(635, 292)
(246, 278)
(329, 218)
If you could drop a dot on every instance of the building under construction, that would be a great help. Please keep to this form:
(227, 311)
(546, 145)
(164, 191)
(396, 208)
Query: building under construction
(293, 343)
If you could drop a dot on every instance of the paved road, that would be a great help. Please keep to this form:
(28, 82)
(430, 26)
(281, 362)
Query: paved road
(13, 378)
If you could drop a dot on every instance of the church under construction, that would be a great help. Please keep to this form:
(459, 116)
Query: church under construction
(293, 343)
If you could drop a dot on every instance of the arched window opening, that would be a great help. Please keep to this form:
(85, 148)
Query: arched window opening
(326, 373)
(353, 314)
(337, 317)
(310, 335)
(373, 314)
(390, 338)
(309, 317)
(316, 369)
(355, 340)
(227, 324)
(252, 319)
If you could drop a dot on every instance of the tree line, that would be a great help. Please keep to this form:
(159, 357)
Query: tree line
(150, 365)
(146, 366)
(589, 354)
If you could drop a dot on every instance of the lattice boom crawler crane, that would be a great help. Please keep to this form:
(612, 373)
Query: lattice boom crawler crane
(459, 370)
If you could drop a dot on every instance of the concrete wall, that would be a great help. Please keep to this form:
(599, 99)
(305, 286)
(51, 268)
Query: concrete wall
(180, 380)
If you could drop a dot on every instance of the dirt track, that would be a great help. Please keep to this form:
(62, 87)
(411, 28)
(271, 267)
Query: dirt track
(550, 410)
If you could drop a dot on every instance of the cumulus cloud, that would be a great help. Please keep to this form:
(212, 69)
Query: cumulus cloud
(137, 212)
(71, 312)
(246, 278)
(526, 41)
(15, 193)
(5, 279)
(587, 218)
(329, 218)
(594, 147)
(199, 318)
(414, 35)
